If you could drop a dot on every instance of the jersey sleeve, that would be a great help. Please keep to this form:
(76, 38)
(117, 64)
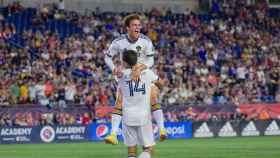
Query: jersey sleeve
(150, 52)
(113, 49)
(111, 52)
(150, 49)
(150, 76)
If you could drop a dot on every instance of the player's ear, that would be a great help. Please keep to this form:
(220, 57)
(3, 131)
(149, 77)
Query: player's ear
(127, 27)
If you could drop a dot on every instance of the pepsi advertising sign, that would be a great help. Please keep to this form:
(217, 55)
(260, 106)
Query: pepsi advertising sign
(76, 133)
(102, 130)
(175, 130)
(98, 132)
(178, 130)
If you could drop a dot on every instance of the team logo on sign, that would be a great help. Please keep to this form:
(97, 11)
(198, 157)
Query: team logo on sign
(47, 134)
(102, 131)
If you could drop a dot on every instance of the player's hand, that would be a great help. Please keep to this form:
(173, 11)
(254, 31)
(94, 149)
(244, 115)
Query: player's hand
(117, 72)
(136, 71)
(135, 74)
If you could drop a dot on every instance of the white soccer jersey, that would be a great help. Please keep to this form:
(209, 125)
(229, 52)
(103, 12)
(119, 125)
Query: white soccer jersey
(136, 97)
(143, 47)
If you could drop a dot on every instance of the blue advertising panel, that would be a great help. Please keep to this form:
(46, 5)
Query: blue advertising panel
(59, 134)
(45, 134)
(174, 130)
(97, 132)
(17, 135)
(178, 130)
(76, 133)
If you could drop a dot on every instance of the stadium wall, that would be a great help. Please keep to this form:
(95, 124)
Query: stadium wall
(115, 5)
(208, 129)
(79, 133)
(175, 130)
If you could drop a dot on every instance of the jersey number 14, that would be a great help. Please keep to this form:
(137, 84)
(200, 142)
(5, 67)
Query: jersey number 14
(135, 88)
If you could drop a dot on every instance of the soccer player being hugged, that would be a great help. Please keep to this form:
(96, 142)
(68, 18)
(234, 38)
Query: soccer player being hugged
(144, 49)
(135, 98)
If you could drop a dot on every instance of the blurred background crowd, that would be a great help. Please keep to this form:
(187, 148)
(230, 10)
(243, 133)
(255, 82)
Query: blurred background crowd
(55, 58)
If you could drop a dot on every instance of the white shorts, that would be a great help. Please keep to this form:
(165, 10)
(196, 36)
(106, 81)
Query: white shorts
(138, 135)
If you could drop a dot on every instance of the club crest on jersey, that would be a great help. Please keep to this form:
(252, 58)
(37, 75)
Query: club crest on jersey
(138, 49)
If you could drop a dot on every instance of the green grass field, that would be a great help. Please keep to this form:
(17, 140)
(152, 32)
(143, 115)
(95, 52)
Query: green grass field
(246, 147)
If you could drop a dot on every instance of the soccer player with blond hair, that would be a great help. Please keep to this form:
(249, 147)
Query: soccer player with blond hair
(143, 46)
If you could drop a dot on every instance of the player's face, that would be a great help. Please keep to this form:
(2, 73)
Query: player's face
(133, 29)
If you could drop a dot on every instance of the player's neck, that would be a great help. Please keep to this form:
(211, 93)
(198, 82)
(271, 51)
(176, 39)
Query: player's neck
(128, 67)
(132, 39)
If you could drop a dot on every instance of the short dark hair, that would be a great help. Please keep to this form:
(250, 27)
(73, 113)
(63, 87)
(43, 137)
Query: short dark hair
(129, 18)
(130, 57)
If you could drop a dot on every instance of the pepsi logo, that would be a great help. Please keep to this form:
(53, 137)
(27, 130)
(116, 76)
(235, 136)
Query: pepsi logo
(102, 131)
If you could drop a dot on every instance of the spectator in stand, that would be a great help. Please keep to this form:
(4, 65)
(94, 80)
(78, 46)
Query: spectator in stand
(5, 120)
(4, 96)
(70, 92)
(61, 96)
(32, 91)
(43, 119)
(86, 119)
(23, 97)
(15, 92)
(20, 119)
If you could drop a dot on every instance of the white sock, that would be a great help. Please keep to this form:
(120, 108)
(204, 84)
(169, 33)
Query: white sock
(116, 121)
(144, 154)
(158, 115)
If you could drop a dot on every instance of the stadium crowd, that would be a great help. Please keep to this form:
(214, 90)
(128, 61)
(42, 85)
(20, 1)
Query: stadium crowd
(37, 118)
(230, 54)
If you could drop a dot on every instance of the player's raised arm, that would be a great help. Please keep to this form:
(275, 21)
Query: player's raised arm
(109, 62)
(112, 51)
